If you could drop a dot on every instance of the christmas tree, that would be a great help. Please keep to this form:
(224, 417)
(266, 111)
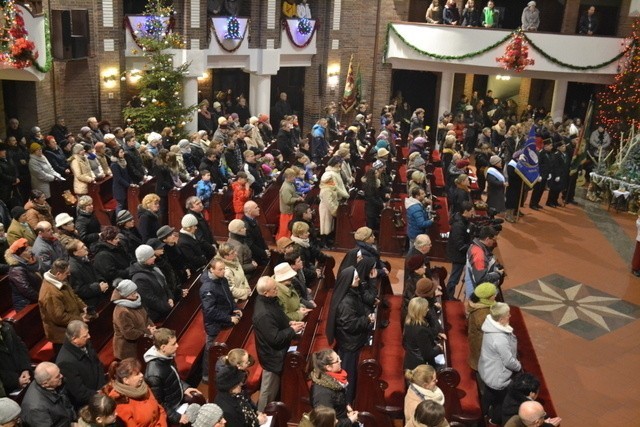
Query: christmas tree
(160, 84)
(619, 103)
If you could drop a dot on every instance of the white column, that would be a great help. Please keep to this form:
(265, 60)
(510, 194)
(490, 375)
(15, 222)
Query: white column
(446, 92)
(259, 93)
(190, 97)
(559, 99)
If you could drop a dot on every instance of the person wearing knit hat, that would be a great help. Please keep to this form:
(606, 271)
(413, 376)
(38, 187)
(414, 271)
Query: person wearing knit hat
(229, 377)
(126, 287)
(363, 234)
(237, 238)
(416, 269)
(183, 143)
(479, 306)
(222, 120)
(495, 160)
(461, 164)
(415, 262)
(19, 226)
(144, 253)
(188, 221)
(34, 147)
(377, 165)
(207, 415)
(237, 408)
(9, 412)
(123, 217)
(77, 149)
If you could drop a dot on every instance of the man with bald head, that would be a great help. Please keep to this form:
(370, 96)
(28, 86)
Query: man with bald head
(47, 248)
(531, 413)
(421, 246)
(45, 402)
(259, 249)
(274, 333)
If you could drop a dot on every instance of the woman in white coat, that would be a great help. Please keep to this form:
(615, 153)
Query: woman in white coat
(82, 173)
(41, 171)
(328, 208)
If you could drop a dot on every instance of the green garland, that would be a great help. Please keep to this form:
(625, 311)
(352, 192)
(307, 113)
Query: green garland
(47, 40)
(390, 28)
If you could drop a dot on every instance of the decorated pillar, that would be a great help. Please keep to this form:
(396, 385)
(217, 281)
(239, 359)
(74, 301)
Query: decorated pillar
(558, 99)
(190, 97)
(446, 91)
(259, 93)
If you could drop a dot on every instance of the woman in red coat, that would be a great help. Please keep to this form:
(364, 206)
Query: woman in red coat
(136, 405)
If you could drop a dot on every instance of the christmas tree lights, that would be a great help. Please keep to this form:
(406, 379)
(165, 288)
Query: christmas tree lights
(15, 47)
(233, 29)
(619, 104)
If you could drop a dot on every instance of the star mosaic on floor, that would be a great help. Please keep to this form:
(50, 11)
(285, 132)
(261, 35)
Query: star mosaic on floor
(573, 306)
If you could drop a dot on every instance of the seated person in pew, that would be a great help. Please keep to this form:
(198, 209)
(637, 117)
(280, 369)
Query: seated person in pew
(238, 358)
(233, 272)
(273, 335)
(15, 365)
(58, 304)
(479, 306)
(24, 278)
(169, 236)
(237, 240)
(429, 413)
(130, 320)
(203, 233)
(110, 260)
(299, 281)
(192, 249)
(498, 360)
(423, 386)
(157, 298)
(319, 416)
(83, 277)
(170, 275)
(46, 402)
(328, 387)
(259, 250)
(523, 388)
(208, 414)
(287, 295)
(162, 377)
(311, 255)
(349, 324)
(219, 309)
(237, 408)
(420, 343)
(531, 413)
(101, 411)
(79, 364)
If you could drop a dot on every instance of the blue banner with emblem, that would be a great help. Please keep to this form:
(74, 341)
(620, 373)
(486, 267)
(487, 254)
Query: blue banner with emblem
(527, 167)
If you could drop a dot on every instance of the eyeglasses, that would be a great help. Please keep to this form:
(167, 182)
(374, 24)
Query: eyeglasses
(336, 361)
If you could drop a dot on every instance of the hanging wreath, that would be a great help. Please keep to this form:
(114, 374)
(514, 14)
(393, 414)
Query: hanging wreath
(17, 49)
(233, 29)
(304, 26)
(516, 54)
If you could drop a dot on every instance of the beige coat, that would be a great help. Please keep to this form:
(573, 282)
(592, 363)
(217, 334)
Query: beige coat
(237, 280)
(82, 174)
(412, 400)
(288, 197)
(337, 178)
(59, 305)
(328, 208)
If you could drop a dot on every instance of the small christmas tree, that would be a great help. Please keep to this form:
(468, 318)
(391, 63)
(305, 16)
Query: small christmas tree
(619, 103)
(160, 103)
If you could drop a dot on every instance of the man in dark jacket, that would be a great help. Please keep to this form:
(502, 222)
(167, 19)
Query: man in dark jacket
(544, 166)
(203, 232)
(15, 366)
(83, 277)
(218, 307)
(274, 333)
(57, 158)
(285, 141)
(162, 376)
(46, 403)
(86, 223)
(79, 363)
(259, 249)
(152, 285)
(110, 261)
(131, 238)
(194, 251)
(458, 244)
(9, 180)
(135, 167)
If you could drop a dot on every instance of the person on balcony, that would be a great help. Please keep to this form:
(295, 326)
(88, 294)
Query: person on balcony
(289, 9)
(434, 13)
(451, 14)
(588, 22)
(471, 15)
(530, 17)
(490, 16)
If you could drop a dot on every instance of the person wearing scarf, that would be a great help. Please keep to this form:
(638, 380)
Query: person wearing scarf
(328, 387)
(135, 404)
(348, 324)
(237, 408)
(422, 386)
(130, 320)
(38, 209)
(496, 184)
(515, 192)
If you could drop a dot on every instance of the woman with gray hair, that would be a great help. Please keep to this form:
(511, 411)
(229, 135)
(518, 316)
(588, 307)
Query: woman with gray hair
(498, 359)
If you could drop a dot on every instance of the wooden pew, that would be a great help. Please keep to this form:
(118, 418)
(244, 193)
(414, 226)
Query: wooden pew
(392, 238)
(177, 199)
(28, 326)
(137, 193)
(58, 205)
(104, 204)
(221, 213)
(6, 298)
(269, 202)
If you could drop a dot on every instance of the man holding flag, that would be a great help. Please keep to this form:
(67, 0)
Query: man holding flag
(522, 169)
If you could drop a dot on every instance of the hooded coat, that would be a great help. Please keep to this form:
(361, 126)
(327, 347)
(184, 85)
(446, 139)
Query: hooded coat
(498, 355)
(82, 174)
(25, 281)
(418, 221)
(162, 377)
(217, 303)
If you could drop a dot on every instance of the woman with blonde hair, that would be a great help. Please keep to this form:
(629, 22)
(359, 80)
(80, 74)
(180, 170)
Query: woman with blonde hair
(321, 416)
(434, 13)
(422, 386)
(148, 220)
(418, 339)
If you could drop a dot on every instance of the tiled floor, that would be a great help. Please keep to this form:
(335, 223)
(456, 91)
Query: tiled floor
(591, 361)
